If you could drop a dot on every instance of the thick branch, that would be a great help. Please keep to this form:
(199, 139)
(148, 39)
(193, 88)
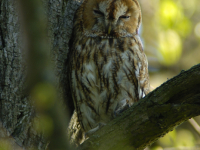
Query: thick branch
(159, 112)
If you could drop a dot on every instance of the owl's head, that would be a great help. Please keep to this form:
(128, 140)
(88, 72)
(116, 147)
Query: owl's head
(110, 18)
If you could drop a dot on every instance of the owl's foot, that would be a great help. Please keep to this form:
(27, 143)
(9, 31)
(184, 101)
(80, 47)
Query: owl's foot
(90, 132)
(122, 106)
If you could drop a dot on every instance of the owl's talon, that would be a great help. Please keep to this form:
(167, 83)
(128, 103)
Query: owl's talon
(90, 132)
(122, 108)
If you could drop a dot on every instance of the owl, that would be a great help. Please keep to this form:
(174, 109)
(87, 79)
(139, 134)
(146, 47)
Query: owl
(108, 69)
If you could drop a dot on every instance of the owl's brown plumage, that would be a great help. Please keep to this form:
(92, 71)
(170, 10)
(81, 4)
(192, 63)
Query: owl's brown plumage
(107, 67)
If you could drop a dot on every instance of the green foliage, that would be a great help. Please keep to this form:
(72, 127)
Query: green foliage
(170, 47)
(176, 139)
(173, 23)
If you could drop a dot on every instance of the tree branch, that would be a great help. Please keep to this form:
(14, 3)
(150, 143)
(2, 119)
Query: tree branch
(152, 117)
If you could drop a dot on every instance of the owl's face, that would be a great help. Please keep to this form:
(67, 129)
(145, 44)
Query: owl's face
(111, 18)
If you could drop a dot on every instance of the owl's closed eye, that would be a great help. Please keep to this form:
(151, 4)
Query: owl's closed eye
(108, 70)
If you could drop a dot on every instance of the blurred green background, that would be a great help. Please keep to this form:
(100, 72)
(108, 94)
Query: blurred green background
(171, 38)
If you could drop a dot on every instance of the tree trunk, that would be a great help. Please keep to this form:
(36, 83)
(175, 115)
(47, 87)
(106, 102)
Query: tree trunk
(16, 110)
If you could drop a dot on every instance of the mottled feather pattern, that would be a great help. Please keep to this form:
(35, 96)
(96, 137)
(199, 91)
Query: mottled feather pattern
(107, 67)
(102, 76)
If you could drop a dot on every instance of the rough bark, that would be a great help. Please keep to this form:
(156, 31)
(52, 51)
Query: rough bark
(152, 117)
(16, 110)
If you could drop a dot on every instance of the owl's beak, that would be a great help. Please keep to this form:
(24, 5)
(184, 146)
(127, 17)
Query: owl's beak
(109, 29)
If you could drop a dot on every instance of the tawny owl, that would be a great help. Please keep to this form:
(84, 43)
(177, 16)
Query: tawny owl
(107, 66)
